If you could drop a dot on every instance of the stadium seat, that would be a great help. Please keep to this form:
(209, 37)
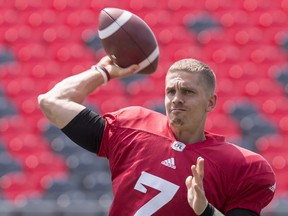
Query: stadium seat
(279, 207)
(284, 43)
(84, 207)
(257, 125)
(85, 162)
(242, 109)
(252, 124)
(222, 124)
(92, 41)
(8, 164)
(6, 107)
(45, 164)
(274, 108)
(19, 186)
(58, 187)
(202, 22)
(95, 184)
(283, 124)
(64, 146)
(36, 207)
(282, 78)
(6, 55)
(51, 132)
(20, 88)
(26, 143)
(260, 88)
(273, 143)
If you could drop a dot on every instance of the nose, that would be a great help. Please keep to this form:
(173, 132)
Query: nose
(177, 98)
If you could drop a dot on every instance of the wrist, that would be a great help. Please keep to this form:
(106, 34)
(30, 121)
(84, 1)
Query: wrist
(208, 211)
(103, 71)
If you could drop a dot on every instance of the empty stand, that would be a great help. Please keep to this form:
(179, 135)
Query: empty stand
(6, 107)
(42, 42)
(7, 162)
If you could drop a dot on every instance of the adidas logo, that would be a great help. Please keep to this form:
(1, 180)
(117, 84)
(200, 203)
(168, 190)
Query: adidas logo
(169, 163)
(273, 187)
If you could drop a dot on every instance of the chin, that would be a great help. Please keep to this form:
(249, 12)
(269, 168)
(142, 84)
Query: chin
(176, 122)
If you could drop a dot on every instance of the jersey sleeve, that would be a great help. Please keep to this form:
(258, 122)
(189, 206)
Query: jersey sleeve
(255, 188)
(86, 130)
(109, 133)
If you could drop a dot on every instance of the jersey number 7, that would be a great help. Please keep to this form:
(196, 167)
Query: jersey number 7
(167, 191)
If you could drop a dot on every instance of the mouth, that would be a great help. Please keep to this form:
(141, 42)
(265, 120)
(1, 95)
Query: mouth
(177, 109)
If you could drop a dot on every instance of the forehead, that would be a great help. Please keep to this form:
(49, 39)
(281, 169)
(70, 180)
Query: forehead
(183, 78)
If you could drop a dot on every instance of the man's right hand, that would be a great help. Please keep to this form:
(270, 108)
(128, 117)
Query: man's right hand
(116, 71)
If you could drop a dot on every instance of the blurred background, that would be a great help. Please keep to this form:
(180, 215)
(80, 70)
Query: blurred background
(43, 41)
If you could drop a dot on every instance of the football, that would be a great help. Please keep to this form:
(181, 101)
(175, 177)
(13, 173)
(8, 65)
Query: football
(128, 40)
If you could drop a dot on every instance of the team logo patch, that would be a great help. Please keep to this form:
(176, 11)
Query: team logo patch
(178, 146)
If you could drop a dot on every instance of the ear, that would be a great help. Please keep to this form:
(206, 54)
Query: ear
(211, 103)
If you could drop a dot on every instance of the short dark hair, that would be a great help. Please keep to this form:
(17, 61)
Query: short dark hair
(195, 66)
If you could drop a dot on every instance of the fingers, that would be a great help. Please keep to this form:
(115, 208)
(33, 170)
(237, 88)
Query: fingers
(195, 189)
(188, 182)
(116, 71)
(198, 171)
(196, 176)
(106, 60)
(131, 69)
(200, 167)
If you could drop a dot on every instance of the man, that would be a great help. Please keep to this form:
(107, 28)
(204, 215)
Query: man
(150, 154)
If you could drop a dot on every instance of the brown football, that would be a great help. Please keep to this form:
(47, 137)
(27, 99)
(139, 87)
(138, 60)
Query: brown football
(128, 40)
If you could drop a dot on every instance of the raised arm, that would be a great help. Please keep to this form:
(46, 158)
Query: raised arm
(64, 101)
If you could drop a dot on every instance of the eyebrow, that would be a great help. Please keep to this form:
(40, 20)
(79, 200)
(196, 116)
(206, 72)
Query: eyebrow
(182, 88)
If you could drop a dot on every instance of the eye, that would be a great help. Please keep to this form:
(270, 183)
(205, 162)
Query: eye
(170, 91)
(187, 91)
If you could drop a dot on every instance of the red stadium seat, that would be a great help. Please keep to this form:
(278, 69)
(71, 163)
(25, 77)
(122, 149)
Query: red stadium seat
(272, 144)
(25, 144)
(223, 124)
(20, 187)
(45, 164)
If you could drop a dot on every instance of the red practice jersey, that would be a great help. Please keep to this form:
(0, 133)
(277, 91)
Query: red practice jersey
(149, 168)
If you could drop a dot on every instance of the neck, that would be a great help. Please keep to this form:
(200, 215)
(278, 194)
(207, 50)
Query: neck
(188, 136)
